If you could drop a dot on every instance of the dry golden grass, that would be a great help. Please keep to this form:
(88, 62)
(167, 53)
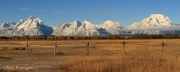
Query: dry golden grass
(1, 69)
(105, 56)
(130, 63)
(140, 56)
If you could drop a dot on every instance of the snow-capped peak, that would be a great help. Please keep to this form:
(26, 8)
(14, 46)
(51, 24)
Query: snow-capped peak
(86, 22)
(8, 25)
(31, 17)
(111, 27)
(21, 20)
(154, 24)
(154, 21)
(160, 19)
(39, 20)
(76, 21)
(156, 15)
(88, 25)
(108, 22)
(31, 22)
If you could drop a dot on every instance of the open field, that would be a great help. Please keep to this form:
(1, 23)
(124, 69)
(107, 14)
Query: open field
(104, 56)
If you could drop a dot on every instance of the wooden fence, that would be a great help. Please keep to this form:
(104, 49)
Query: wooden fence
(86, 45)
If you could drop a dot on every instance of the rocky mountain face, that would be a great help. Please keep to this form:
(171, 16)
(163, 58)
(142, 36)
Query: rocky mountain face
(155, 24)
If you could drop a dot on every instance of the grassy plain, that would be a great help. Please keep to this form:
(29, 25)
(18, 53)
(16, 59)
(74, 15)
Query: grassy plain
(105, 56)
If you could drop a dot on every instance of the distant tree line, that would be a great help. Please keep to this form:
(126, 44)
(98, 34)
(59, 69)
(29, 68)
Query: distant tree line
(52, 37)
(166, 36)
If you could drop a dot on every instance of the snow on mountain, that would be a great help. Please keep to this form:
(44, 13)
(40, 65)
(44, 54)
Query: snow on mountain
(113, 28)
(31, 22)
(154, 21)
(150, 32)
(87, 29)
(8, 25)
(67, 29)
(58, 30)
(146, 32)
(32, 26)
(155, 24)
(6, 29)
(19, 23)
(72, 28)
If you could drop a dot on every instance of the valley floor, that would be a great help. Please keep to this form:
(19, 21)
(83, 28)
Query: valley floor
(104, 55)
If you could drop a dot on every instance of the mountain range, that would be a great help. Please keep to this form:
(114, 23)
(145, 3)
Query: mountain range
(155, 24)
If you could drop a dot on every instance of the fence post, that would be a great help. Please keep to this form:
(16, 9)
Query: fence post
(26, 46)
(88, 44)
(162, 45)
(55, 46)
(123, 46)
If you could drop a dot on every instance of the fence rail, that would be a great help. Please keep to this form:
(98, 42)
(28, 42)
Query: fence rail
(123, 45)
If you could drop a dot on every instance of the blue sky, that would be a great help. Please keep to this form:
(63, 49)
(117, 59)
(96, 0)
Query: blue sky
(57, 12)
